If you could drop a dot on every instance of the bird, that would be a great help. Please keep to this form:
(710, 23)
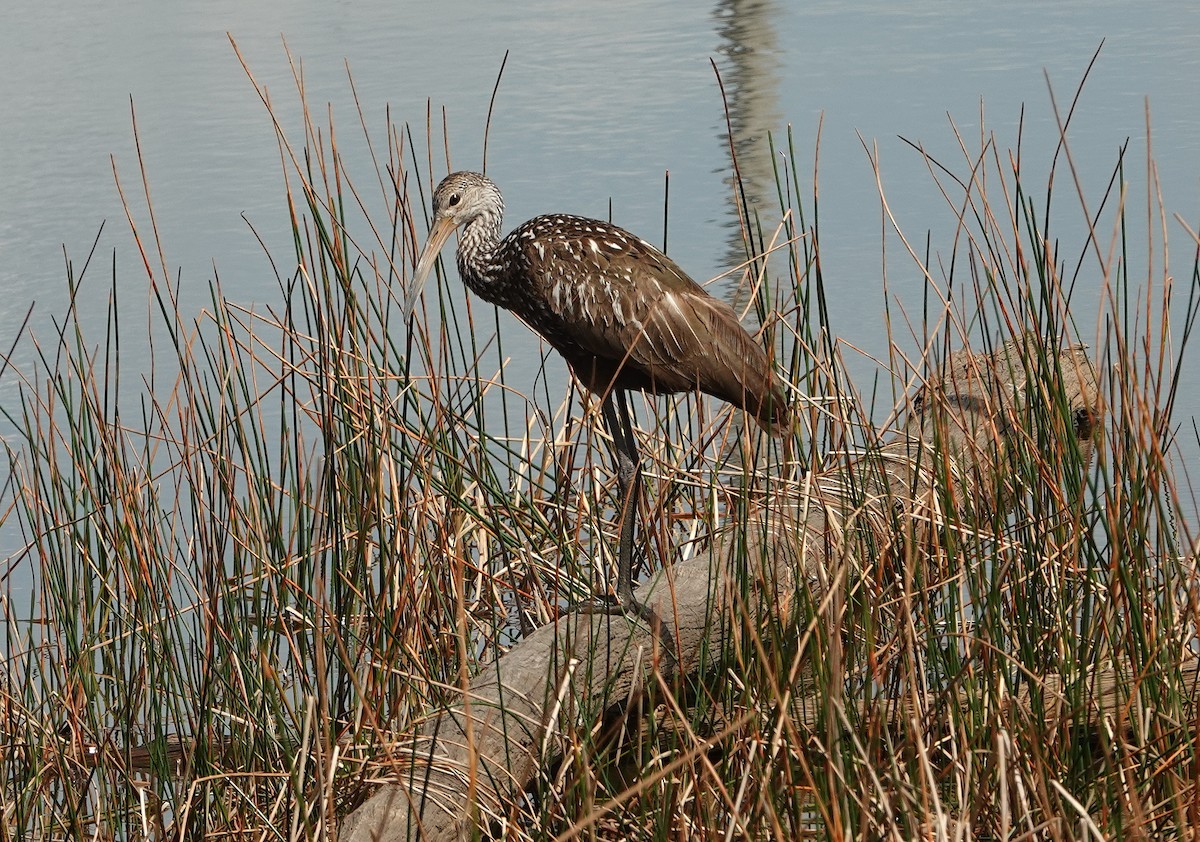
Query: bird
(623, 315)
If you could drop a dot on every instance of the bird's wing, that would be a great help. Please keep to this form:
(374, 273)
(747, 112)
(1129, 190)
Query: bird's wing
(620, 296)
(626, 301)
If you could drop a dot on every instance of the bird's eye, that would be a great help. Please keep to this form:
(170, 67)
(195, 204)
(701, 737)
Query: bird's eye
(454, 199)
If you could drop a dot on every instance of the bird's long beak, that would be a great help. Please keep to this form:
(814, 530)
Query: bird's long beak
(442, 228)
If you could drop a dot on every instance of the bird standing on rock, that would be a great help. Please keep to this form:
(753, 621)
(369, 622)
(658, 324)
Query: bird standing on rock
(622, 314)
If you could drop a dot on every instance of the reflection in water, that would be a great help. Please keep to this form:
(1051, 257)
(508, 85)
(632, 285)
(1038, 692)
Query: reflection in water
(750, 74)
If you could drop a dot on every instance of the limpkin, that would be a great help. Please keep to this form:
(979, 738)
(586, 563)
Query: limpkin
(622, 314)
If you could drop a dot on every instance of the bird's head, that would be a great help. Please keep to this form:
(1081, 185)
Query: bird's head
(460, 199)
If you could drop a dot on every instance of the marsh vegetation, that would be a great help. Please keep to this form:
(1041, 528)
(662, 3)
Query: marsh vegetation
(309, 527)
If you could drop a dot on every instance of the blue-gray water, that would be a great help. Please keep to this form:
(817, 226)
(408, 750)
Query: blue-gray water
(598, 101)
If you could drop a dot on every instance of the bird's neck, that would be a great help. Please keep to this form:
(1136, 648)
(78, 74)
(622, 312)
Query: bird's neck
(478, 255)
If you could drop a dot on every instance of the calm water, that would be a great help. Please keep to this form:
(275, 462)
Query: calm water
(597, 103)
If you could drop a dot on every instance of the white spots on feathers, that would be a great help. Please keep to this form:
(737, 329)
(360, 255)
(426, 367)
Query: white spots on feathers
(602, 286)
(621, 312)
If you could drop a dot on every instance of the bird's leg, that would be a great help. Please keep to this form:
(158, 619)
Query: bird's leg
(629, 481)
(629, 478)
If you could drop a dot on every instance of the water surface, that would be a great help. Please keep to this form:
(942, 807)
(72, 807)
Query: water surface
(597, 104)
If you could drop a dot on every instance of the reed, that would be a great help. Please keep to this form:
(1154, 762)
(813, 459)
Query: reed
(310, 523)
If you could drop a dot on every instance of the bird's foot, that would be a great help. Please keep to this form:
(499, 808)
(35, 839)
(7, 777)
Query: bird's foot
(634, 610)
(600, 604)
(642, 611)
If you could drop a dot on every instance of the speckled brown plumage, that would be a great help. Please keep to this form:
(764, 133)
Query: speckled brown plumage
(622, 313)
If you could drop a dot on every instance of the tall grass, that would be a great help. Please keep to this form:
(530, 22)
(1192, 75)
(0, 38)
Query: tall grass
(321, 521)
